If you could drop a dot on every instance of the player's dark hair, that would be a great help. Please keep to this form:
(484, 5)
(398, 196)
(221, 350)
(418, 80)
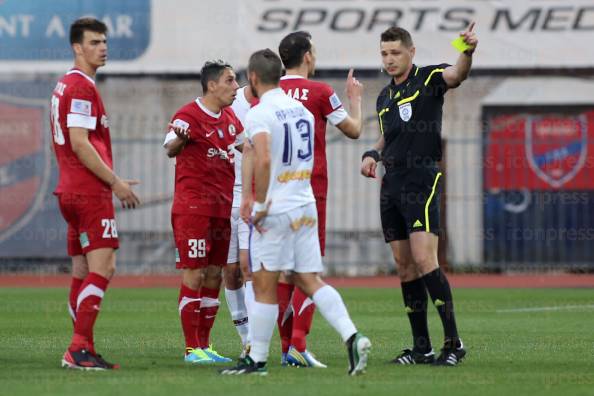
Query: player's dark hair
(78, 28)
(267, 66)
(292, 48)
(398, 34)
(211, 71)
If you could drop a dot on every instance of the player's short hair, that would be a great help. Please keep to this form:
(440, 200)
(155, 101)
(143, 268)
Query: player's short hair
(78, 28)
(397, 34)
(211, 71)
(292, 48)
(267, 66)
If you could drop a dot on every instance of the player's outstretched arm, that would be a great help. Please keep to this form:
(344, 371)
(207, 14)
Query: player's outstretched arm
(351, 126)
(247, 176)
(454, 75)
(175, 146)
(86, 153)
(371, 158)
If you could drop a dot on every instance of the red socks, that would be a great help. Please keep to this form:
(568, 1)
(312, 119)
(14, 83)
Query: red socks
(189, 308)
(284, 292)
(88, 303)
(303, 313)
(209, 306)
(75, 285)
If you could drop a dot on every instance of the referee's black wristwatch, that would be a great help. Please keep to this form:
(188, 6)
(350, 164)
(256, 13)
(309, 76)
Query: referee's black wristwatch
(373, 154)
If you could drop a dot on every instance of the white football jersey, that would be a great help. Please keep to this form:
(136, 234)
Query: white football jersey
(240, 107)
(291, 129)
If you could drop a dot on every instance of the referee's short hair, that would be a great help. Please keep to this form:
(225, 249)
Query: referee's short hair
(398, 34)
(267, 66)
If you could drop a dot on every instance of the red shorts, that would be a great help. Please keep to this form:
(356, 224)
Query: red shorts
(91, 222)
(321, 206)
(200, 240)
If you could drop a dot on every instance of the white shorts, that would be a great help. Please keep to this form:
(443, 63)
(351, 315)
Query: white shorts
(289, 242)
(240, 237)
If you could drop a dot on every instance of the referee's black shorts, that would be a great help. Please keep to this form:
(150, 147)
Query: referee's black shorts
(410, 202)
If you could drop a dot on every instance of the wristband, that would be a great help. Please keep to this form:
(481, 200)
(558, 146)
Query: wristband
(259, 207)
(373, 154)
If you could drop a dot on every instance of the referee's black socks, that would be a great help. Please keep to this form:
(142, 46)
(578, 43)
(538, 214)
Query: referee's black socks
(415, 302)
(439, 289)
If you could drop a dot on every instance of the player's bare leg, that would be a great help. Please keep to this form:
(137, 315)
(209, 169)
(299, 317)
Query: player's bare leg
(332, 308)
(424, 252)
(415, 304)
(81, 354)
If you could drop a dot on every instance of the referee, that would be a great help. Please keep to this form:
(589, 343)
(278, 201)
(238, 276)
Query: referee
(410, 112)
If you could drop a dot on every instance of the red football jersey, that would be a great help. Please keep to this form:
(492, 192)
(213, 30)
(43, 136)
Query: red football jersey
(204, 170)
(75, 103)
(321, 100)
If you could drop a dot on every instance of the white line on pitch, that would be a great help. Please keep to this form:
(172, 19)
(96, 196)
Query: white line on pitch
(544, 309)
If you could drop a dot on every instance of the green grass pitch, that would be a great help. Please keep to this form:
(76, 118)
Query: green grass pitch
(545, 352)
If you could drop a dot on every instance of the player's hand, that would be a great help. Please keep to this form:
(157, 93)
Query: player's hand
(182, 133)
(470, 38)
(354, 89)
(123, 191)
(245, 210)
(259, 217)
(368, 167)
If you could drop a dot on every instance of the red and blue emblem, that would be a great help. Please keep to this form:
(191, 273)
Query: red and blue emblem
(25, 163)
(556, 147)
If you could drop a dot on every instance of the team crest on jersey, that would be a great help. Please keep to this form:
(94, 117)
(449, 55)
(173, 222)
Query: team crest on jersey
(25, 166)
(405, 111)
(232, 130)
(556, 147)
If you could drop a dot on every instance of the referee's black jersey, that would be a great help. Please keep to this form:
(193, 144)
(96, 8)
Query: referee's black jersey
(410, 118)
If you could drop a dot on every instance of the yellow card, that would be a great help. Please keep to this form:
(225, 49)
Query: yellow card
(460, 45)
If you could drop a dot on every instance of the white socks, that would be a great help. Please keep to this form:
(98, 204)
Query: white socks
(239, 314)
(332, 308)
(249, 299)
(262, 323)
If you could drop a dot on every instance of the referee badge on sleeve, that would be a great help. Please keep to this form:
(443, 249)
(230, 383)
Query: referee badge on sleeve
(405, 111)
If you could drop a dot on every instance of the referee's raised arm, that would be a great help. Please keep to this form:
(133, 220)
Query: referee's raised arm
(455, 74)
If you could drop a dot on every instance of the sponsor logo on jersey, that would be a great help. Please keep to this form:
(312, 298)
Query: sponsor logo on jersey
(181, 123)
(286, 177)
(222, 154)
(335, 101)
(80, 106)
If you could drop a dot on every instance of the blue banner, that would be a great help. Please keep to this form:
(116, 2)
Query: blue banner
(39, 30)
